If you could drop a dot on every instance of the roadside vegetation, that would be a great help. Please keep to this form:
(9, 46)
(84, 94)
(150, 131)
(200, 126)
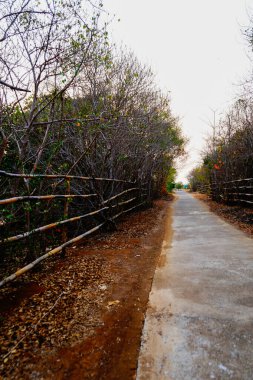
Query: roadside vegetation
(85, 136)
(226, 171)
(228, 155)
(75, 106)
(71, 103)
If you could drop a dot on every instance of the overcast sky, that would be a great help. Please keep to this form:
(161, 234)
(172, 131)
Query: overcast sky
(197, 50)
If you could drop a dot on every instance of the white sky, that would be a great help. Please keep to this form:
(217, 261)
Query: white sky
(197, 50)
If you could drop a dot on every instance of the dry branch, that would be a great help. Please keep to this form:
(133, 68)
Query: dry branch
(128, 210)
(15, 88)
(43, 197)
(119, 195)
(125, 202)
(48, 254)
(50, 226)
(61, 247)
(54, 176)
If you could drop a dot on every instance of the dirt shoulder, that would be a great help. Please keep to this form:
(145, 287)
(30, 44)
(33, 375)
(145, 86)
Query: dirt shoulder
(82, 317)
(240, 217)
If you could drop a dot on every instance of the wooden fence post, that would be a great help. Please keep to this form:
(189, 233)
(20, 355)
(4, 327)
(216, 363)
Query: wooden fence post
(65, 216)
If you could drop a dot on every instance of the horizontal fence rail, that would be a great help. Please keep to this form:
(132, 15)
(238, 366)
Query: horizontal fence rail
(65, 176)
(49, 226)
(43, 197)
(102, 208)
(231, 192)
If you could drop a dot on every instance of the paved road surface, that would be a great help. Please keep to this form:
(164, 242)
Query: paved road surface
(199, 323)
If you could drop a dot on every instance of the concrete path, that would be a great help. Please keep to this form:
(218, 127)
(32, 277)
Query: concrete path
(199, 322)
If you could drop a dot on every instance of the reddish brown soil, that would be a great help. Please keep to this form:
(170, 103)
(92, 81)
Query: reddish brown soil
(240, 217)
(82, 317)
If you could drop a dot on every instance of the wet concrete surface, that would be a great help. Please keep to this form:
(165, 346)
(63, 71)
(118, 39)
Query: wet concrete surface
(199, 322)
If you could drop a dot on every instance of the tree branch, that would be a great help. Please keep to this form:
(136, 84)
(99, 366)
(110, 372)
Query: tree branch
(13, 87)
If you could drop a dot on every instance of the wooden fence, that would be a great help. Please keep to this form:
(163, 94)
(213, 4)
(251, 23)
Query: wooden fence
(233, 192)
(101, 207)
(239, 191)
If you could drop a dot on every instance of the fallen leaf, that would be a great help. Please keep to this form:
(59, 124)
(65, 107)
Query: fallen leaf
(102, 287)
(111, 303)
